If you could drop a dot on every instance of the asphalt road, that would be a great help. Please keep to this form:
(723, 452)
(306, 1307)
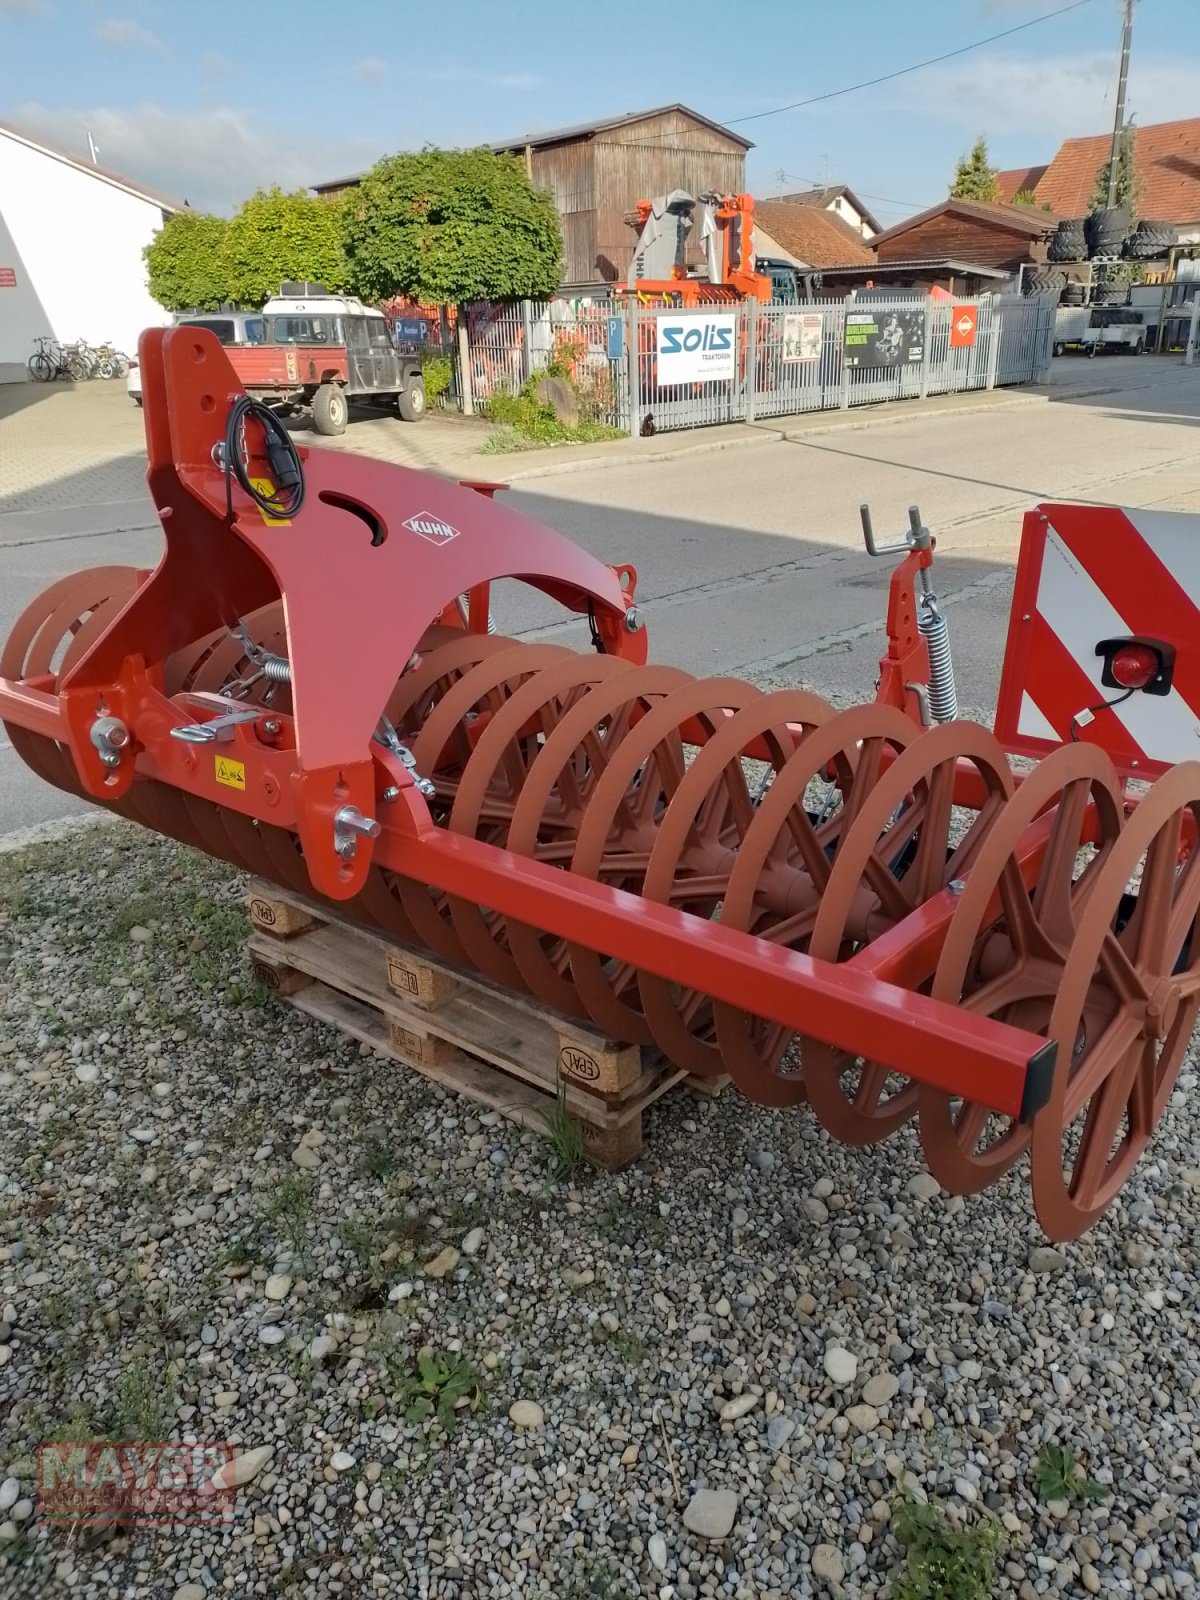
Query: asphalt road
(750, 560)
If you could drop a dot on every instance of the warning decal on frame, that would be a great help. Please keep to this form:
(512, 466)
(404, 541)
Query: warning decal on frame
(231, 773)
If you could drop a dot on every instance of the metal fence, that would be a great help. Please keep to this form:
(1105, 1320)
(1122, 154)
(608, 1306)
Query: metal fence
(650, 369)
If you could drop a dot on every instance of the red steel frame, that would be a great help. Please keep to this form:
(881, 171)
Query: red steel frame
(355, 607)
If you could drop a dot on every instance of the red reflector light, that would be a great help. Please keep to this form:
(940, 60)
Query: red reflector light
(1133, 666)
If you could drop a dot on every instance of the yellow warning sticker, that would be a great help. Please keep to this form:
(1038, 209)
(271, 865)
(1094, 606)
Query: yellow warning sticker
(265, 486)
(231, 773)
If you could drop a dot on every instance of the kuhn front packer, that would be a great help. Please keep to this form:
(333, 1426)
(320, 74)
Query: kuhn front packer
(855, 909)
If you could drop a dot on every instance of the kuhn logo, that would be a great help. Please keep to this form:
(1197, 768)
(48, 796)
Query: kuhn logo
(706, 336)
(431, 528)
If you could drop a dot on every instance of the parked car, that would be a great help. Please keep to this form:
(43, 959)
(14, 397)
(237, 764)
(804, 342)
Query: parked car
(322, 351)
(232, 328)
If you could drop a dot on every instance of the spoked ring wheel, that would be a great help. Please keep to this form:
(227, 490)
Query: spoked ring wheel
(1009, 938)
(783, 867)
(1125, 1011)
(900, 853)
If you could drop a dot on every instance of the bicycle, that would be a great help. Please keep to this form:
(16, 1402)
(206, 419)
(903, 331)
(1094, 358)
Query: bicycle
(47, 361)
(111, 362)
(82, 361)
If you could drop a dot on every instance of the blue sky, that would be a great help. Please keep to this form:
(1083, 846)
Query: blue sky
(207, 99)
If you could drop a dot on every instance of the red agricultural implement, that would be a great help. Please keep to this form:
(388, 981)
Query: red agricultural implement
(854, 909)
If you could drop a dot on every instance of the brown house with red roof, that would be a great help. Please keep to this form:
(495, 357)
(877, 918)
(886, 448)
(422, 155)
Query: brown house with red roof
(987, 233)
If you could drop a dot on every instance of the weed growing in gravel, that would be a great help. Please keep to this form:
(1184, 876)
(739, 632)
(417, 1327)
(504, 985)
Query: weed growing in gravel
(564, 1136)
(243, 1250)
(1060, 1477)
(376, 1159)
(631, 1347)
(141, 910)
(289, 1204)
(142, 1404)
(593, 1579)
(440, 1386)
(944, 1560)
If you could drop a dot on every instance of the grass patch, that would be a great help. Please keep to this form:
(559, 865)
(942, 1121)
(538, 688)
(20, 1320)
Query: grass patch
(631, 1347)
(139, 912)
(943, 1559)
(564, 1139)
(525, 423)
(1060, 1477)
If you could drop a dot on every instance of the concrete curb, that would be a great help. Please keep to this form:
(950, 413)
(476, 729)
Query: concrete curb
(781, 432)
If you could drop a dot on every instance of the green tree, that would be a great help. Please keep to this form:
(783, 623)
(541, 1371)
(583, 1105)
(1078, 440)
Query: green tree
(184, 262)
(975, 177)
(277, 237)
(450, 226)
(1127, 183)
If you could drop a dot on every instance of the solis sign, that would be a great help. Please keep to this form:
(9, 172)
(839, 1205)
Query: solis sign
(700, 349)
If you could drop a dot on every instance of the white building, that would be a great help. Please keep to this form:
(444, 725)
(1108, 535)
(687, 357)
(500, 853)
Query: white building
(71, 242)
(843, 202)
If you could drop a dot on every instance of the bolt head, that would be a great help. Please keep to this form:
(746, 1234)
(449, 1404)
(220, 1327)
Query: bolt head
(633, 620)
(392, 792)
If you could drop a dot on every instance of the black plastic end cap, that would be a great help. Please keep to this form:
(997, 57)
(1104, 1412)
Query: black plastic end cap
(1039, 1075)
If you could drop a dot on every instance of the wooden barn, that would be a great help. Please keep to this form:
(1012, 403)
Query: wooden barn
(598, 171)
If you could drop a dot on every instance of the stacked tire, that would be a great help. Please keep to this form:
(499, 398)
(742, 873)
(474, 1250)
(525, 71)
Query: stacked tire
(1074, 294)
(1149, 241)
(1104, 233)
(1042, 281)
(1110, 294)
(1069, 242)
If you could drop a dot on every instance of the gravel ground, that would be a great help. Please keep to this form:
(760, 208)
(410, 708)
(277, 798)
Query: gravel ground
(220, 1221)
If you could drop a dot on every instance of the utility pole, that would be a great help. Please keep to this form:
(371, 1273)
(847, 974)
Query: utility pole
(1119, 122)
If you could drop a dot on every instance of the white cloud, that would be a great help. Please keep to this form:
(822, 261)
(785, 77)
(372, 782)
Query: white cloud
(371, 69)
(212, 158)
(1048, 98)
(119, 33)
(522, 81)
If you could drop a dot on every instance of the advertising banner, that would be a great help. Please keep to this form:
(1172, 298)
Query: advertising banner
(885, 338)
(802, 335)
(696, 349)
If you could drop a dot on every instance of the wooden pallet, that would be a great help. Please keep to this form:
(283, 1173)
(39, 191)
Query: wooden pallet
(500, 1049)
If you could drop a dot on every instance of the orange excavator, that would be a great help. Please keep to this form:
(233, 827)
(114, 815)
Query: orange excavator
(661, 270)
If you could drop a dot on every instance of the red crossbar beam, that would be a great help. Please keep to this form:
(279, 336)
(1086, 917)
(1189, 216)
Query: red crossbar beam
(34, 709)
(1007, 1068)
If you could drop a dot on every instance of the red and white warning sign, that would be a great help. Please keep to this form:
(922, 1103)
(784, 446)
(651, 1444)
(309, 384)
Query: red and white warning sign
(964, 323)
(1091, 578)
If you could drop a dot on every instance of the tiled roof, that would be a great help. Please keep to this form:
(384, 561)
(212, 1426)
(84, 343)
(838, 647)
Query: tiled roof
(813, 236)
(1016, 179)
(72, 159)
(1017, 219)
(825, 197)
(1166, 161)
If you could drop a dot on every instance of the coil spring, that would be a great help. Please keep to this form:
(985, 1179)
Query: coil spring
(943, 695)
(277, 668)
